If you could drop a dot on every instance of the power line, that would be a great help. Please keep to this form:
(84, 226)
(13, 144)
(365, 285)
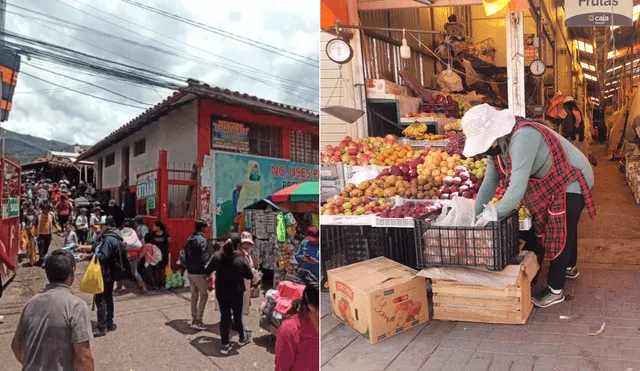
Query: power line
(218, 31)
(50, 90)
(248, 67)
(88, 83)
(286, 90)
(80, 92)
(62, 55)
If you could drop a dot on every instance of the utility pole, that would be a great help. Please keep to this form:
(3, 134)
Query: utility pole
(3, 7)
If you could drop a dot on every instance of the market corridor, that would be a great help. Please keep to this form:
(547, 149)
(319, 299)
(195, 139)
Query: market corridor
(555, 338)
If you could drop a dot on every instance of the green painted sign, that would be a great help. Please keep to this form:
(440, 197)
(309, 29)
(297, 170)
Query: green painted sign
(13, 208)
(151, 203)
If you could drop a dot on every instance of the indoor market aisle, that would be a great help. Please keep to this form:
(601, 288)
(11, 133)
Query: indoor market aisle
(605, 292)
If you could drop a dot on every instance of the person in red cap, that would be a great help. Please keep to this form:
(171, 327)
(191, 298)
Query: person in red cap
(308, 253)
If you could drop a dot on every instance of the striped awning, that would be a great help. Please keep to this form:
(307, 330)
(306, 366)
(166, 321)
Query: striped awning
(9, 68)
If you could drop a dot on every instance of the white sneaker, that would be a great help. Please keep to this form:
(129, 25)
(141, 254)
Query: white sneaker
(1, 319)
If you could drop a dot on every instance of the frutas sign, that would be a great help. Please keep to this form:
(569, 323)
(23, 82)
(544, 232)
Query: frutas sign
(587, 13)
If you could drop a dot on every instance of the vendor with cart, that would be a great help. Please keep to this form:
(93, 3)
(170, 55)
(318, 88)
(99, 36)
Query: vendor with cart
(541, 170)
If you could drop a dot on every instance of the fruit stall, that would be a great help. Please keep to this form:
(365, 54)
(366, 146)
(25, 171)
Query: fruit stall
(382, 207)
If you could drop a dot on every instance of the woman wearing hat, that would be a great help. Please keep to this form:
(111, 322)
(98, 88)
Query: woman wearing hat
(308, 253)
(543, 171)
(246, 244)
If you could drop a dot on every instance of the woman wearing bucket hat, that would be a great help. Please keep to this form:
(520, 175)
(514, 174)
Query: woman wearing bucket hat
(543, 171)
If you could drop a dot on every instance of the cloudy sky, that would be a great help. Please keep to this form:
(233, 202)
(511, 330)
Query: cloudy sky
(52, 112)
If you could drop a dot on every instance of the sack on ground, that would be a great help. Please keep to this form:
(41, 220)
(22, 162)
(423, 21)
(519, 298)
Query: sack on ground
(92, 282)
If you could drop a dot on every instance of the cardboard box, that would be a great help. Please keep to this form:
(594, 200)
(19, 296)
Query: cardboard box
(378, 298)
(379, 86)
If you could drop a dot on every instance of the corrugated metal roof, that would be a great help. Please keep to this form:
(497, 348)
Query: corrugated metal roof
(64, 154)
(194, 90)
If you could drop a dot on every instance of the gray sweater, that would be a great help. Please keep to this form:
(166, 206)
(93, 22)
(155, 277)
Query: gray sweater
(530, 158)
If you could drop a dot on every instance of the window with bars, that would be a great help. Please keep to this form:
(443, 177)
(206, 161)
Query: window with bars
(139, 147)
(110, 160)
(265, 140)
(305, 147)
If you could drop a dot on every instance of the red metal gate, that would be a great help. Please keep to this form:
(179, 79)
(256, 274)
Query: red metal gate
(10, 192)
(176, 192)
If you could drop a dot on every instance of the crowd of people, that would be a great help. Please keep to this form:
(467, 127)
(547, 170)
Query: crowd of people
(127, 250)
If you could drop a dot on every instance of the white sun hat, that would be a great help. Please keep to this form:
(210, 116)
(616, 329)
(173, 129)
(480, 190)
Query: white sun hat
(482, 125)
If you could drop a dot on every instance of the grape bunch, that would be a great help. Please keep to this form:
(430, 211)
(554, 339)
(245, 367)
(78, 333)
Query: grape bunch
(523, 212)
(456, 144)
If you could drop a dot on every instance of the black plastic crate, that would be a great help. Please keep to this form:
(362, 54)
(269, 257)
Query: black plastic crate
(401, 246)
(493, 246)
(344, 245)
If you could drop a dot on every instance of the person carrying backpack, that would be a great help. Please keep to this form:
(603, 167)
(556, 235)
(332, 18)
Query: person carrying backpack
(112, 255)
(196, 257)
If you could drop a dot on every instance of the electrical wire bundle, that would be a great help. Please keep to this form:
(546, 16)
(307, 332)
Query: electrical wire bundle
(146, 77)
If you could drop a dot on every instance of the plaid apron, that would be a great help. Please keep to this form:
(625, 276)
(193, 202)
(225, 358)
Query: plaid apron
(546, 198)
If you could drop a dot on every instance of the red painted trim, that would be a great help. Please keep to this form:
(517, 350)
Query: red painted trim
(286, 144)
(182, 182)
(204, 132)
(133, 188)
(163, 188)
(208, 108)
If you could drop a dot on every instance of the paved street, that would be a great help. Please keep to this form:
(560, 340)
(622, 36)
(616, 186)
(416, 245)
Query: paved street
(153, 332)
(605, 292)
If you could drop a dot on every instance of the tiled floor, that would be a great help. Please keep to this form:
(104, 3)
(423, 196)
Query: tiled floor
(549, 341)
(606, 292)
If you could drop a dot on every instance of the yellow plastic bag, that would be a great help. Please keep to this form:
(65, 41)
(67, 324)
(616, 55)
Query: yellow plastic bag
(167, 270)
(92, 282)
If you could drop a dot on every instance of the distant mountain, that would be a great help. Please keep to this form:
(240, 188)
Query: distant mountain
(27, 148)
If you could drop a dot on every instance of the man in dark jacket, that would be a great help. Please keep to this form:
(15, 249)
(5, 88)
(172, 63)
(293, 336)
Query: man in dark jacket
(197, 255)
(106, 248)
(116, 212)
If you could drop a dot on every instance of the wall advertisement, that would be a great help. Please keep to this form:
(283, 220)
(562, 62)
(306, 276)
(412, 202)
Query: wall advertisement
(240, 180)
(229, 136)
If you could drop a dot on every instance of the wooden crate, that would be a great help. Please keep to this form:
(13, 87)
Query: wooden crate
(454, 301)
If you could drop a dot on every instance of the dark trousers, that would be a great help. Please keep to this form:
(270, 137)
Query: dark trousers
(159, 275)
(147, 273)
(228, 303)
(104, 303)
(44, 241)
(568, 258)
(63, 219)
(82, 236)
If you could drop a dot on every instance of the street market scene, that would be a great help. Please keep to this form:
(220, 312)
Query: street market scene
(166, 218)
(479, 185)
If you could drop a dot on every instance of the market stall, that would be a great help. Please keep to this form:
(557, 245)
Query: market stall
(10, 193)
(302, 201)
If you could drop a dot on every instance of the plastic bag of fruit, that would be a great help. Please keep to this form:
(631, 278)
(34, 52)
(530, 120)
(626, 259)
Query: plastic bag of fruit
(490, 214)
(460, 214)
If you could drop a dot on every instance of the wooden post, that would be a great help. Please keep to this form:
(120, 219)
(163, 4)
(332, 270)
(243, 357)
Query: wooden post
(355, 76)
(162, 192)
(515, 63)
